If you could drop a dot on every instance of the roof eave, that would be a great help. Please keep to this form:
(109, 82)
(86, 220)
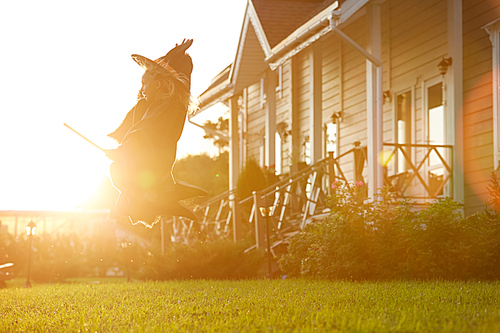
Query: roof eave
(252, 18)
(214, 95)
(313, 30)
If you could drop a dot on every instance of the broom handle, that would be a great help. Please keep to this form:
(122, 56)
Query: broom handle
(83, 137)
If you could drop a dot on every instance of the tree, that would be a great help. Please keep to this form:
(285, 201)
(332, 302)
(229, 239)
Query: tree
(210, 173)
(222, 126)
(252, 178)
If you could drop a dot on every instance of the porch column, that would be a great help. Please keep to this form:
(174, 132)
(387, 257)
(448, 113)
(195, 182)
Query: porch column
(234, 167)
(454, 96)
(374, 100)
(316, 103)
(294, 111)
(270, 118)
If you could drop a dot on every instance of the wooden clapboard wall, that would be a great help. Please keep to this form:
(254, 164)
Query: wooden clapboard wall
(478, 100)
(255, 122)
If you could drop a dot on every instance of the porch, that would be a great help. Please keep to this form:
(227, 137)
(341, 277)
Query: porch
(416, 172)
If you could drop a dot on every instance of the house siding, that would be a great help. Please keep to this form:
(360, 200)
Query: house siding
(414, 41)
(354, 125)
(478, 101)
(303, 98)
(331, 77)
(256, 122)
(283, 109)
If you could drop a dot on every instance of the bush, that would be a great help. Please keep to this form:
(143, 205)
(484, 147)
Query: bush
(55, 258)
(388, 239)
(212, 174)
(252, 178)
(220, 259)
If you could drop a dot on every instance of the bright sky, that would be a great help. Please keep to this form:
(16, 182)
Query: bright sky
(66, 61)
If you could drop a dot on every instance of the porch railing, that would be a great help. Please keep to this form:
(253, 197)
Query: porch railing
(293, 201)
(300, 197)
(428, 175)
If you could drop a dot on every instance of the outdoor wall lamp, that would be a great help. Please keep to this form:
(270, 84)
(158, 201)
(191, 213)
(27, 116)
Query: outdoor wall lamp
(444, 64)
(337, 117)
(281, 128)
(31, 229)
(386, 96)
(30, 232)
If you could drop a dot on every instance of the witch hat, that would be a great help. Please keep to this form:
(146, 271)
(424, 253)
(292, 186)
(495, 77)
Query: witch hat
(176, 62)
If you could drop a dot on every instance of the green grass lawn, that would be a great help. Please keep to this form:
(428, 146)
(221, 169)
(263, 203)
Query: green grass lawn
(251, 306)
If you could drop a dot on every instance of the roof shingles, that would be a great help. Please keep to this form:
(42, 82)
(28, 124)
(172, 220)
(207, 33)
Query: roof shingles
(279, 18)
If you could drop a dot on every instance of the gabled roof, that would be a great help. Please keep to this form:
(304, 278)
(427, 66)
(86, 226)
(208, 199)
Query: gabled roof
(279, 18)
(271, 29)
(268, 22)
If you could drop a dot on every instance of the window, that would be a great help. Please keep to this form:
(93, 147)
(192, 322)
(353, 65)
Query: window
(262, 93)
(331, 142)
(435, 116)
(279, 87)
(493, 30)
(278, 154)
(262, 154)
(403, 128)
(435, 134)
(306, 150)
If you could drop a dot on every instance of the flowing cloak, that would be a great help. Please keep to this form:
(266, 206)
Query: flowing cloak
(143, 163)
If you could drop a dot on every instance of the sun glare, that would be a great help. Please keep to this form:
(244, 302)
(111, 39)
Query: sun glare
(55, 169)
(49, 168)
(89, 83)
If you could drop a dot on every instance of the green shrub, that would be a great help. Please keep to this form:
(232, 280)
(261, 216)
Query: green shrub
(389, 239)
(56, 258)
(437, 243)
(481, 257)
(494, 189)
(252, 178)
(220, 259)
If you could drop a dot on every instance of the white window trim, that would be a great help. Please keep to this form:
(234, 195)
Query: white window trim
(325, 138)
(425, 133)
(262, 153)
(493, 29)
(306, 148)
(425, 85)
(278, 163)
(263, 96)
(394, 98)
(279, 87)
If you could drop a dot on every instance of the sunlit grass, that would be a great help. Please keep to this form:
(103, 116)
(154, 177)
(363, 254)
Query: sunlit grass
(252, 306)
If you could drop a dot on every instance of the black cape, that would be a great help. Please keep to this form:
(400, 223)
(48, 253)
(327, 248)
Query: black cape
(143, 163)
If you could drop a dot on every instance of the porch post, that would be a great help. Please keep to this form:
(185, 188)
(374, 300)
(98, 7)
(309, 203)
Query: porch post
(316, 103)
(454, 98)
(234, 165)
(374, 100)
(294, 111)
(270, 118)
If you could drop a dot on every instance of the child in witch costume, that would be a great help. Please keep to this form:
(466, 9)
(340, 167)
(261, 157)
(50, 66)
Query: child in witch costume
(142, 164)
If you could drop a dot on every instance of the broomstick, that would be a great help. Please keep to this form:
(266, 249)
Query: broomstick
(103, 150)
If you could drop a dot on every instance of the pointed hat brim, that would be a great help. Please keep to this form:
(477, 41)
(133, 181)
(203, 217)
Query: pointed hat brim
(157, 65)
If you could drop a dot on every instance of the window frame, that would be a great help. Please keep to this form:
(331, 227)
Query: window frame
(412, 126)
(493, 29)
(431, 168)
